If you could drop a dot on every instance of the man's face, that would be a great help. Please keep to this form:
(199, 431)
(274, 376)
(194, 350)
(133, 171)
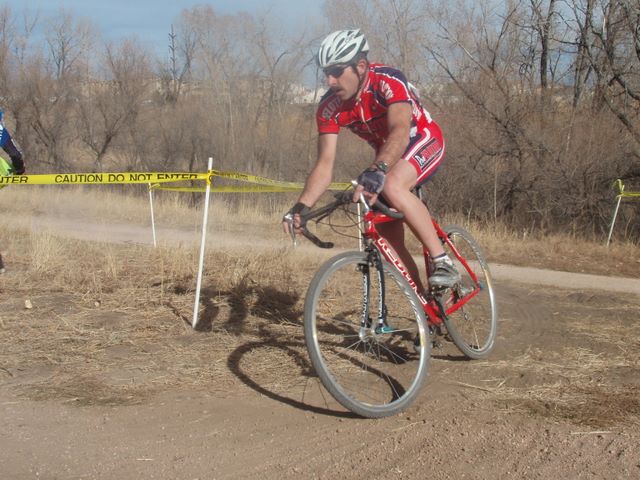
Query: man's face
(344, 80)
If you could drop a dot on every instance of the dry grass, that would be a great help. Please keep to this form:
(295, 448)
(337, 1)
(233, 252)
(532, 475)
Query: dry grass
(575, 384)
(588, 371)
(260, 214)
(109, 322)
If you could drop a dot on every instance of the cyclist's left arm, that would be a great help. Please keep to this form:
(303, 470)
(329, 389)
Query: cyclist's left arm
(399, 124)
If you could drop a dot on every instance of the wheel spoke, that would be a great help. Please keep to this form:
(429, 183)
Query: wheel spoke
(472, 326)
(373, 374)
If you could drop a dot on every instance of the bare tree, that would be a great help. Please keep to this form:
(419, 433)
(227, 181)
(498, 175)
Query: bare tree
(542, 22)
(15, 35)
(68, 42)
(48, 109)
(50, 88)
(583, 20)
(112, 105)
(395, 30)
(7, 37)
(182, 48)
(614, 56)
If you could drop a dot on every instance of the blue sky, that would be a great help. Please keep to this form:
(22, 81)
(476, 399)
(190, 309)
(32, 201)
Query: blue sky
(151, 20)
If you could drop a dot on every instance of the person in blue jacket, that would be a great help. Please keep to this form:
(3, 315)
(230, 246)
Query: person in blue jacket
(9, 146)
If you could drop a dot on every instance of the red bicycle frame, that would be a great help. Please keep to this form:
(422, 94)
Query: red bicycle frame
(455, 300)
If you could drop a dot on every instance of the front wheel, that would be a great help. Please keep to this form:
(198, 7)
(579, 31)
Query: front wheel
(472, 326)
(371, 355)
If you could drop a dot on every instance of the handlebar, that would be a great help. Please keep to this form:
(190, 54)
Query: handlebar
(342, 198)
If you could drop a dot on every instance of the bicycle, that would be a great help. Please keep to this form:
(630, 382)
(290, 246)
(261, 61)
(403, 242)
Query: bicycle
(369, 331)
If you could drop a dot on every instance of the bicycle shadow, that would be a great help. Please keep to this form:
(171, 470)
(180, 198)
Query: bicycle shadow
(449, 357)
(447, 351)
(230, 309)
(269, 307)
(308, 378)
(273, 307)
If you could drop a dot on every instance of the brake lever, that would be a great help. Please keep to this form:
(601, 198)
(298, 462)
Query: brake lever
(289, 219)
(363, 202)
(310, 236)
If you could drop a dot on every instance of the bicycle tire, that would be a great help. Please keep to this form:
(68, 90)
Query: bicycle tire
(473, 327)
(371, 374)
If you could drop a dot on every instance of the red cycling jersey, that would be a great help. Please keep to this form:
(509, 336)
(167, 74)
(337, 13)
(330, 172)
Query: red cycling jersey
(366, 116)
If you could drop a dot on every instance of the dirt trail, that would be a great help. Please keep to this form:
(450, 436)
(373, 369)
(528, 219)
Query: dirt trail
(130, 233)
(466, 423)
(558, 398)
(553, 278)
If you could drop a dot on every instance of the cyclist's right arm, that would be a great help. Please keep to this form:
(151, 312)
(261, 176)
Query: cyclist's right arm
(320, 176)
(322, 173)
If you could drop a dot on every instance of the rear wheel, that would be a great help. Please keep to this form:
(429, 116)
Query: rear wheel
(374, 370)
(473, 326)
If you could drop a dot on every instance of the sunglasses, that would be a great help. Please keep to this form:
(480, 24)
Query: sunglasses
(335, 71)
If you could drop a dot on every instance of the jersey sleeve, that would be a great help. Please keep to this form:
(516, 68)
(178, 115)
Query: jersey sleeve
(393, 86)
(326, 120)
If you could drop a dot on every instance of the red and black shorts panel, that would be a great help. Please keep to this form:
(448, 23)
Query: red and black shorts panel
(425, 152)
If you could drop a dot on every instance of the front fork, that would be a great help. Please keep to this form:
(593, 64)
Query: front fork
(367, 324)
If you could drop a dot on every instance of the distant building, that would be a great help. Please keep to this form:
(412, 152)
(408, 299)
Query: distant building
(305, 95)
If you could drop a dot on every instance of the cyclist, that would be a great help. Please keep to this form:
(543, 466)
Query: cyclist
(377, 103)
(9, 146)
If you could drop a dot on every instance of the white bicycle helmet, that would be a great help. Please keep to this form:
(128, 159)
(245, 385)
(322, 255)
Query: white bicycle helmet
(341, 47)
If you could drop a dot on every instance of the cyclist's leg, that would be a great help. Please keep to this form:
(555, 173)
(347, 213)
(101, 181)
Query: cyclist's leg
(420, 161)
(393, 232)
(397, 189)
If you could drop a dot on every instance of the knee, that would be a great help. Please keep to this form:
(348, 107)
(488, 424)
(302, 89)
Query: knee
(394, 189)
(390, 183)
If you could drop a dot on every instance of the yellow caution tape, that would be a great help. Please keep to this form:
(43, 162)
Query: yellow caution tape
(245, 177)
(227, 189)
(262, 184)
(101, 178)
(624, 194)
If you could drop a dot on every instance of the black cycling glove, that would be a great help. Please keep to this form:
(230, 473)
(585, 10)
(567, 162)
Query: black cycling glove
(372, 180)
(299, 208)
